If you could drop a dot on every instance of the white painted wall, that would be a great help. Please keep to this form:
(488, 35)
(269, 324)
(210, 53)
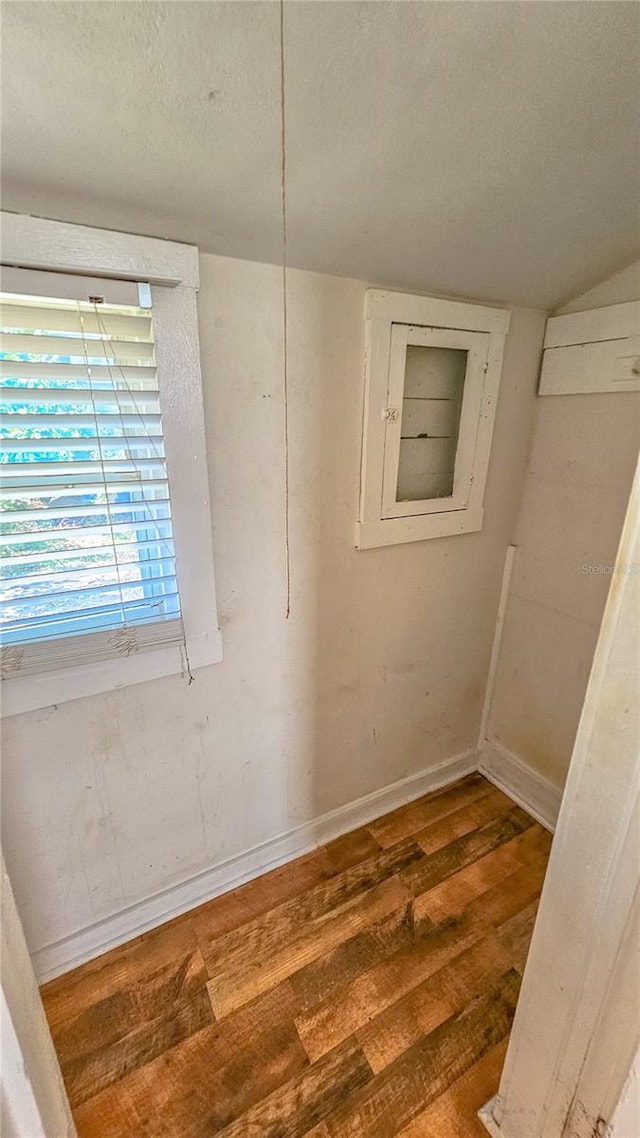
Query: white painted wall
(378, 674)
(577, 487)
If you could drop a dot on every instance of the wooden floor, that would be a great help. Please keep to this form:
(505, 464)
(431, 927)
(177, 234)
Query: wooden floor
(365, 989)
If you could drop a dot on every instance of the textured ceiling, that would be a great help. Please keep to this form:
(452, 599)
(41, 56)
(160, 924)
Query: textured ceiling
(485, 149)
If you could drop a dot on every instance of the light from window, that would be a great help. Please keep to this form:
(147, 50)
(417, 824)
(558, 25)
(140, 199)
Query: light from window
(85, 533)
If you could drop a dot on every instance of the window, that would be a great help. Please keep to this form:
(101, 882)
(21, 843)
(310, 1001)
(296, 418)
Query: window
(103, 482)
(432, 376)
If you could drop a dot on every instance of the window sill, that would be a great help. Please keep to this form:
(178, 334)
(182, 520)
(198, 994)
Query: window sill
(29, 693)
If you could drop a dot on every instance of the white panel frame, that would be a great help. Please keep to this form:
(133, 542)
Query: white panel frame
(476, 344)
(383, 311)
(32, 243)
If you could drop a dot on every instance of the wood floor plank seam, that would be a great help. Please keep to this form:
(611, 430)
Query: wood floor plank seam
(366, 990)
(427, 1069)
(230, 989)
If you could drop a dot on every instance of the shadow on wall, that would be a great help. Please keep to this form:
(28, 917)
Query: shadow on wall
(573, 506)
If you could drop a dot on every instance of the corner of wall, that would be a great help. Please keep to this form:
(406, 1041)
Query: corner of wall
(516, 777)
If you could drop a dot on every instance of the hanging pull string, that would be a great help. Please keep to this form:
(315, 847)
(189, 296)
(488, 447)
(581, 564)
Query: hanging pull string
(142, 505)
(109, 352)
(103, 469)
(285, 322)
(150, 522)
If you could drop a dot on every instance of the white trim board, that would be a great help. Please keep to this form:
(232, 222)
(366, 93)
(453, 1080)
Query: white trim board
(586, 369)
(54, 959)
(535, 793)
(591, 351)
(501, 614)
(63, 247)
(409, 308)
(613, 322)
(485, 1114)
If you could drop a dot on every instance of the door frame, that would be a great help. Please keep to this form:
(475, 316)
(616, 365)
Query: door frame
(33, 1100)
(577, 1027)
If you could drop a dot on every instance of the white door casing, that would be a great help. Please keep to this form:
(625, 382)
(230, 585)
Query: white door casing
(577, 1022)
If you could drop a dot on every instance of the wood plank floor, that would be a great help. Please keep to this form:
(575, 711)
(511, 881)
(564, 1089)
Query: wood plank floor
(366, 989)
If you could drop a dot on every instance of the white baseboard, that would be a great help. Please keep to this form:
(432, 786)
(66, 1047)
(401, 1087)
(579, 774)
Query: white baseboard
(535, 793)
(485, 1114)
(52, 960)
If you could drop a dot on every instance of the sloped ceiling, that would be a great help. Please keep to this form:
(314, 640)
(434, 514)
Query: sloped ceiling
(484, 149)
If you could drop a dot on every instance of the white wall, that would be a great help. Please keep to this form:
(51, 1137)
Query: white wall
(378, 674)
(578, 481)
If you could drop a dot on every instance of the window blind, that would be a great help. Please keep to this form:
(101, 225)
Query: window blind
(88, 560)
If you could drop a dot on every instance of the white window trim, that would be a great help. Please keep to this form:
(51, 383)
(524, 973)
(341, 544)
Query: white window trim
(382, 311)
(172, 270)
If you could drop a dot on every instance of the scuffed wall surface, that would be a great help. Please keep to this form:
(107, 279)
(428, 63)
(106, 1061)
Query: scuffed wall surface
(578, 481)
(379, 672)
